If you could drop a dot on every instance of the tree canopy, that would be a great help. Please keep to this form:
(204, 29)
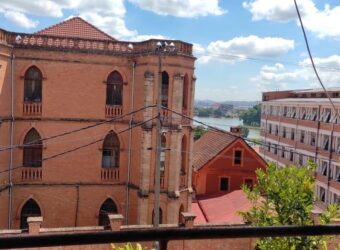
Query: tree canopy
(285, 196)
(252, 116)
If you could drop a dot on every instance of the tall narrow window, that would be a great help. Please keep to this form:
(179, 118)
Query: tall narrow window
(114, 89)
(183, 154)
(30, 209)
(224, 184)
(108, 207)
(185, 92)
(111, 148)
(180, 217)
(160, 216)
(33, 85)
(165, 89)
(237, 157)
(32, 155)
(163, 154)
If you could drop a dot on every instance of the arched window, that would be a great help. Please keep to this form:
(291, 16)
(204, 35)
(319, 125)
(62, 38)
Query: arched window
(160, 215)
(163, 154)
(30, 209)
(180, 217)
(32, 156)
(114, 89)
(111, 148)
(165, 89)
(108, 207)
(185, 92)
(183, 154)
(33, 85)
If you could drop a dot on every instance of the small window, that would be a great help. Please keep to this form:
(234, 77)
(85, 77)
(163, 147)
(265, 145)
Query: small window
(249, 183)
(224, 184)
(108, 207)
(237, 157)
(32, 155)
(30, 209)
(165, 89)
(111, 150)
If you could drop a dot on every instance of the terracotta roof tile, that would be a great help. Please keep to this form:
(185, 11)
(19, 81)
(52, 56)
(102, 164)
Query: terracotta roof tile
(209, 145)
(76, 27)
(222, 209)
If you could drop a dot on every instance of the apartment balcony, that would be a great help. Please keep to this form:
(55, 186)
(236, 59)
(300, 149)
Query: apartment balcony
(110, 174)
(32, 109)
(113, 111)
(321, 178)
(335, 184)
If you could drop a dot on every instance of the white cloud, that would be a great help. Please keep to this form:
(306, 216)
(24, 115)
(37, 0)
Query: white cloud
(324, 23)
(181, 8)
(240, 48)
(20, 19)
(278, 77)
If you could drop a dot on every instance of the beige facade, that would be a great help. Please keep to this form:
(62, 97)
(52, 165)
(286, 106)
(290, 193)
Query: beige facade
(71, 187)
(298, 126)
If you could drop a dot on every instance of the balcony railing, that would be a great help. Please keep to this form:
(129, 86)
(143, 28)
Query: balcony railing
(32, 108)
(74, 44)
(31, 174)
(113, 110)
(110, 174)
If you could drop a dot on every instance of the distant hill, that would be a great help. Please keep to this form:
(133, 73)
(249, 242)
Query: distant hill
(236, 104)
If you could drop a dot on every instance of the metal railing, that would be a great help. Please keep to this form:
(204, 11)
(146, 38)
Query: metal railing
(163, 235)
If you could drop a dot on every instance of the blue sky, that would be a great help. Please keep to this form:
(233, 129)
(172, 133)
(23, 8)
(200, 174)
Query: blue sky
(242, 47)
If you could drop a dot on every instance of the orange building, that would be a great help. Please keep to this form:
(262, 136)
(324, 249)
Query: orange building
(222, 163)
(71, 76)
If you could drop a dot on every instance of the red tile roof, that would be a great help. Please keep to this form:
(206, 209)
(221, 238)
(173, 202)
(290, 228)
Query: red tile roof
(76, 27)
(209, 145)
(221, 209)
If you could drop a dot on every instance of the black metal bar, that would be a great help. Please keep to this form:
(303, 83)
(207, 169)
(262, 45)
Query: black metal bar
(162, 234)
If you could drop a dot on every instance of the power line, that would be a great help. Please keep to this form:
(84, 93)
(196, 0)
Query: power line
(76, 130)
(312, 61)
(82, 146)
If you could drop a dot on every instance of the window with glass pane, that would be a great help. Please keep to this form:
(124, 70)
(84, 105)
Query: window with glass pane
(224, 184)
(33, 85)
(110, 154)
(237, 157)
(114, 89)
(165, 89)
(32, 153)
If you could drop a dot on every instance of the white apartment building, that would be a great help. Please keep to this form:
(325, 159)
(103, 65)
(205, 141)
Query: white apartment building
(301, 125)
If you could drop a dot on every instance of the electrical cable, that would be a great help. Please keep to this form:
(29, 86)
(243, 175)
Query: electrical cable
(78, 129)
(82, 146)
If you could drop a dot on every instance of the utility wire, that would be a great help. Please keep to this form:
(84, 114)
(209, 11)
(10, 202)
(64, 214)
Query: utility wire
(82, 146)
(312, 61)
(76, 130)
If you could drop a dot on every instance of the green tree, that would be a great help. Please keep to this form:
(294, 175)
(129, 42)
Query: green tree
(199, 131)
(285, 196)
(244, 131)
(252, 116)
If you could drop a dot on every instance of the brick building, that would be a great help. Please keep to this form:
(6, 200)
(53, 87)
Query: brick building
(72, 75)
(301, 125)
(223, 162)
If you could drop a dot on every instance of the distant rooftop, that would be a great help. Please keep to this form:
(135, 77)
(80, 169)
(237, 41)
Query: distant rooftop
(75, 27)
(209, 145)
(221, 209)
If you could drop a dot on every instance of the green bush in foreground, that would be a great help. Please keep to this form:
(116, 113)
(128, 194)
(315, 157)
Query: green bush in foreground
(285, 196)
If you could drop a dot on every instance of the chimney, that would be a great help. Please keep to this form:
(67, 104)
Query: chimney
(235, 130)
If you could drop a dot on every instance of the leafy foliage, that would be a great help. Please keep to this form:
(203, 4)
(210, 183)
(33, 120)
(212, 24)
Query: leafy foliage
(128, 246)
(252, 116)
(244, 131)
(285, 196)
(199, 131)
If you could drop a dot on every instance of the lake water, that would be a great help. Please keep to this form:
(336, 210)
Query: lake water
(226, 123)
